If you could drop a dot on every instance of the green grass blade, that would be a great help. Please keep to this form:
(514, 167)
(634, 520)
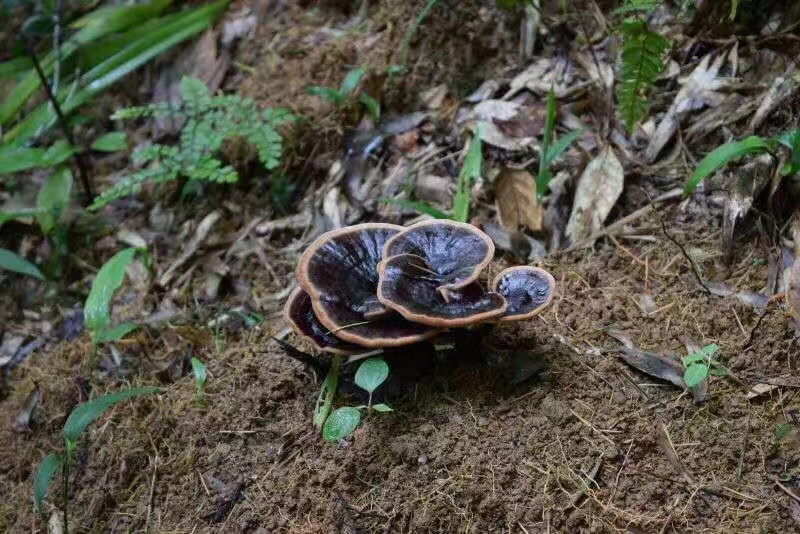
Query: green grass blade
(561, 145)
(84, 414)
(53, 199)
(110, 142)
(116, 67)
(11, 261)
(13, 67)
(96, 310)
(473, 163)
(721, 156)
(97, 24)
(15, 159)
(327, 393)
(43, 476)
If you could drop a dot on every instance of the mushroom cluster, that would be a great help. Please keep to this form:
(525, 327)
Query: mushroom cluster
(377, 285)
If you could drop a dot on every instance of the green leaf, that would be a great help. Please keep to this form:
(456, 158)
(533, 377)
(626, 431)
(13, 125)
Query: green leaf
(53, 199)
(16, 159)
(543, 176)
(373, 108)
(43, 476)
(85, 413)
(470, 170)
(717, 371)
(170, 31)
(341, 423)
(110, 142)
(642, 50)
(96, 310)
(382, 408)
(199, 370)
(421, 207)
(782, 431)
(371, 374)
(791, 140)
(350, 81)
(721, 156)
(696, 357)
(561, 145)
(194, 91)
(328, 94)
(11, 261)
(114, 333)
(13, 67)
(95, 25)
(695, 374)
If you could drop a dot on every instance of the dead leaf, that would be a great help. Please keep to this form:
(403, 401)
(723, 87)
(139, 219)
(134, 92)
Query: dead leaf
(747, 182)
(22, 423)
(793, 286)
(782, 88)
(434, 97)
(654, 365)
(760, 389)
(200, 235)
(542, 75)
(599, 187)
(698, 90)
(517, 206)
(522, 247)
(495, 116)
(486, 91)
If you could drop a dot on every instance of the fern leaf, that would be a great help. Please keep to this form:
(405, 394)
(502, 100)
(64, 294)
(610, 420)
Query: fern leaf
(641, 65)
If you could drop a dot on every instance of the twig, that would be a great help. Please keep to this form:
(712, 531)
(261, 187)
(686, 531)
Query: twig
(692, 264)
(788, 492)
(79, 156)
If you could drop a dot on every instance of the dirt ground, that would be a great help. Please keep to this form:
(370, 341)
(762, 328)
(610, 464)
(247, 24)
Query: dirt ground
(586, 444)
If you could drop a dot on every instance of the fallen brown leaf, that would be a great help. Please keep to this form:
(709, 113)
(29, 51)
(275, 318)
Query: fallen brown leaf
(517, 206)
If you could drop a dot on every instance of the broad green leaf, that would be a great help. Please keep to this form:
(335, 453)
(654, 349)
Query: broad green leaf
(83, 414)
(696, 357)
(13, 67)
(470, 170)
(96, 310)
(22, 214)
(382, 408)
(695, 374)
(114, 333)
(350, 81)
(11, 261)
(172, 31)
(371, 374)
(199, 370)
(721, 156)
(110, 142)
(791, 140)
(341, 423)
(43, 476)
(98, 23)
(16, 159)
(53, 199)
(421, 207)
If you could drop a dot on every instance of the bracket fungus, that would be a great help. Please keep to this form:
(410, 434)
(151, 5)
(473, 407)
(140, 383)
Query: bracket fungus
(377, 285)
(339, 271)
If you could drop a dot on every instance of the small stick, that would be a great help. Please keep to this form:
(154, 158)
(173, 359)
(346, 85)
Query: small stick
(695, 270)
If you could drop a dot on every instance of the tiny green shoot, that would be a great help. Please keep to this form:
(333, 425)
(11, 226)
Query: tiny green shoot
(200, 376)
(549, 152)
(700, 364)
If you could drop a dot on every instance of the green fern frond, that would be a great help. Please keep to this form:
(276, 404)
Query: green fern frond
(641, 65)
(210, 120)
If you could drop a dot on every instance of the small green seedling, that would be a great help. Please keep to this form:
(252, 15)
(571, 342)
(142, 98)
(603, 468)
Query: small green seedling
(343, 96)
(473, 164)
(200, 376)
(97, 309)
(700, 364)
(81, 417)
(343, 421)
(551, 149)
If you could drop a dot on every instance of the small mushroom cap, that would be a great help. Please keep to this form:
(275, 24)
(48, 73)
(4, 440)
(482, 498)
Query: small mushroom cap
(528, 291)
(301, 316)
(409, 286)
(339, 272)
(456, 251)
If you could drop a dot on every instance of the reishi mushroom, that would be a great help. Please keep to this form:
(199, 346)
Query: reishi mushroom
(339, 271)
(378, 285)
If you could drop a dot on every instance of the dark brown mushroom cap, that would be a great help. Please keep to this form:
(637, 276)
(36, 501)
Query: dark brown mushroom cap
(301, 316)
(528, 291)
(409, 286)
(456, 251)
(339, 272)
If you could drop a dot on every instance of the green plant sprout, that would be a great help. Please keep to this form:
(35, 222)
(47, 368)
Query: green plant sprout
(81, 417)
(700, 364)
(97, 308)
(471, 169)
(549, 152)
(343, 95)
(343, 421)
(200, 376)
(211, 120)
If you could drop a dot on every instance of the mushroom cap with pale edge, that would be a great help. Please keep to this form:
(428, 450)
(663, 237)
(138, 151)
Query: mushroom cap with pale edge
(457, 252)
(304, 323)
(339, 271)
(410, 286)
(528, 290)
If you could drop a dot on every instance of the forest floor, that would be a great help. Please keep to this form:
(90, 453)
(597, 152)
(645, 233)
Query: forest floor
(573, 439)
